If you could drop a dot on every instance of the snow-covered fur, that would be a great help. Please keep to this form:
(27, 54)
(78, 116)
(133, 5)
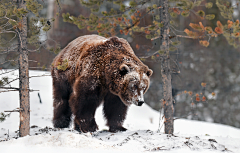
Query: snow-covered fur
(98, 70)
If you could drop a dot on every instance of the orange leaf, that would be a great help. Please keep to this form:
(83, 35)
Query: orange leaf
(176, 10)
(213, 94)
(186, 31)
(237, 21)
(195, 26)
(191, 34)
(204, 43)
(230, 23)
(236, 34)
(133, 17)
(147, 32)
(218, 30)
(190, 93)
(20, 26)
(137, 46)
(126, 32)
(203, 84)
(208, 29)
(219, 24)
(201, 25)
(121, 31)
(203, 98)
(197, 98)
(197, 95)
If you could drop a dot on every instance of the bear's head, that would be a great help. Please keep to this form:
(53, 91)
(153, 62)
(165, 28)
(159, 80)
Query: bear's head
(134, 83)
(127, 76)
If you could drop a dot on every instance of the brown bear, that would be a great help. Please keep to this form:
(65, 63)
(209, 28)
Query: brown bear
(90, 70)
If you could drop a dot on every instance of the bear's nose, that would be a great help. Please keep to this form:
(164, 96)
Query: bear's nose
(140, 103)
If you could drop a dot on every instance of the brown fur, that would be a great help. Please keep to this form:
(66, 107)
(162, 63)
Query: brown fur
(99, 69)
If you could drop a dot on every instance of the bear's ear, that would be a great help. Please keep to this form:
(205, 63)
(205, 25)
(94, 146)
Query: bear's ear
(113, 40)
(124, 69)
(149, 73)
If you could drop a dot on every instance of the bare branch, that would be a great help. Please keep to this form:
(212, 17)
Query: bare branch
(7, 91)
(7, 61)
(9, 71)
(15, 110)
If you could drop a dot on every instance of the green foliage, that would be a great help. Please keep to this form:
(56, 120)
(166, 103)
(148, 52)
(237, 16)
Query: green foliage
(91, 3)
(9, 11)
(3, 116)
(12, 22)
(226, 10)
(3, 81)
(154, 6)
(132, 3)
(210, 16)
(161, 51)
(44, 67)
(201, 13)
(176, 43)
(128, 19)
(34, 6)
(55, 49)
(172, 48)
(209, 5)
(198, 2)
(173, 14)
(172, 22)
(63, 66)
(185, 13)
(122, 7)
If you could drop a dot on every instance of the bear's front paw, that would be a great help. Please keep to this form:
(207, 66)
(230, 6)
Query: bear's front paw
(116, 129)
(87, 125)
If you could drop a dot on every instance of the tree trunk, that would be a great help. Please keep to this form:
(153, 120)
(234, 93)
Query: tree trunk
(23, 76)
(165, 69)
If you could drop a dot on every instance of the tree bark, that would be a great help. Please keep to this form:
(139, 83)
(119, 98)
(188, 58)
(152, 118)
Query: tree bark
(23, 76)
(165, 69)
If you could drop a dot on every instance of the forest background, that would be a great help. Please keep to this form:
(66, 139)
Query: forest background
(218, 65)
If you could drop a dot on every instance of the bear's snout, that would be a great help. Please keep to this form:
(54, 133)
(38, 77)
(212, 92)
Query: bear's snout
(140, 103)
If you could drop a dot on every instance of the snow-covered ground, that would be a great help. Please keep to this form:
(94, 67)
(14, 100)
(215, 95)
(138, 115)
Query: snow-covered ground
(142, 124)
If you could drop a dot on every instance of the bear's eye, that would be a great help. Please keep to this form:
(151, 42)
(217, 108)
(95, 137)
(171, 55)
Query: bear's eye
(135, 86)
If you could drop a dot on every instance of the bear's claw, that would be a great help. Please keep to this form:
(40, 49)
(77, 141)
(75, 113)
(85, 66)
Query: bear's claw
(115, 129)
(86, 126)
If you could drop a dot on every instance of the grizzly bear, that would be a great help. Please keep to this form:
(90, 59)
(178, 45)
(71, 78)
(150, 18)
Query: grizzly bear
(92, 70)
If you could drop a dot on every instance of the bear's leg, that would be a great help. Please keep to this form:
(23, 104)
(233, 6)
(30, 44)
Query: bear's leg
(115, 112)
(62, 112)
(84, 102)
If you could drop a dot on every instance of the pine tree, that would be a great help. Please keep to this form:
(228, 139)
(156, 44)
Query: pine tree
(126, 17)
(16, 34)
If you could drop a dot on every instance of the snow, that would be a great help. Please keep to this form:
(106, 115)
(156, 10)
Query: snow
(142, 124)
